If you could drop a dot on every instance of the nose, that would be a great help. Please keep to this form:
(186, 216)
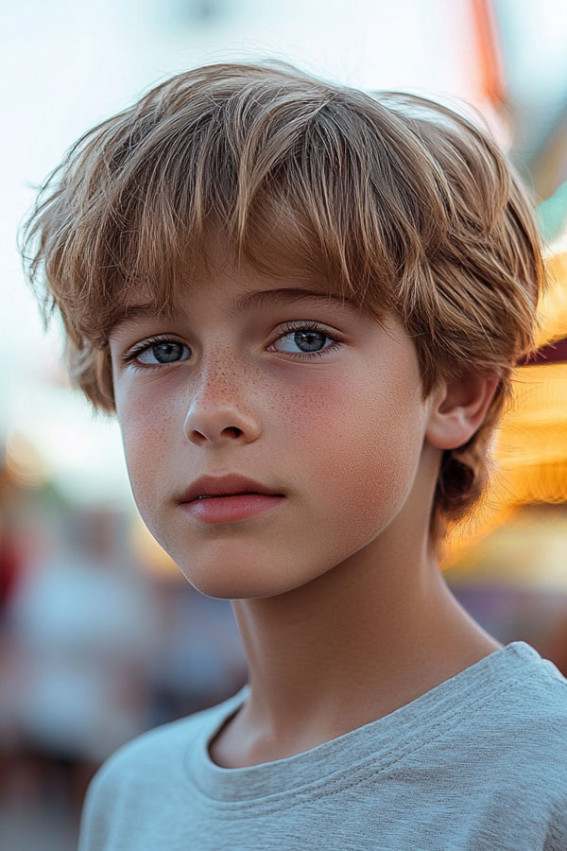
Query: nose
(218, 413)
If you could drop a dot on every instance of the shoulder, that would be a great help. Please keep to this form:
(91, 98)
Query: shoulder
(537, 691)
(534, 746)
(151, 749)
(500, 747)
(159, 756)
(146, 779)
(522, 722)
(523, 690)
(504, 718)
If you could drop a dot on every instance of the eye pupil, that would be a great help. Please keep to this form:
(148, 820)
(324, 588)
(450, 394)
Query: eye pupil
(310, 341)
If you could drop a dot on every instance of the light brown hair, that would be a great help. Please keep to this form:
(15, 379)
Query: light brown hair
(401, 203)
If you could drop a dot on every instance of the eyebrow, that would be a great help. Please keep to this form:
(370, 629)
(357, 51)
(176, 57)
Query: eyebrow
(136, 311)
(258, 298)
(261, 298)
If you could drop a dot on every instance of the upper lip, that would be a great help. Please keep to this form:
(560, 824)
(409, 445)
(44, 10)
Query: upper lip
(223, 486)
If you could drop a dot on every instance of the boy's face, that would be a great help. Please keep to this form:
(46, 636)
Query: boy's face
(309, 397)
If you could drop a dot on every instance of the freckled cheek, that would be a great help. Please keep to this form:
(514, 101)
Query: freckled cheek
(146, 434)
(359, 443)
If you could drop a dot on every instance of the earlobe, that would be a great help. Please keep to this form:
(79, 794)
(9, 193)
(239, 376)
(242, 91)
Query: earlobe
(458, 409)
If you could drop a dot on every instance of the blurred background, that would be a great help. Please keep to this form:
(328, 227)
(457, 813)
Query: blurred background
(100, 638)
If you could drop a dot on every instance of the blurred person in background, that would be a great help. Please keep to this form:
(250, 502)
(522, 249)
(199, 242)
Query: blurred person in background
(83, 634)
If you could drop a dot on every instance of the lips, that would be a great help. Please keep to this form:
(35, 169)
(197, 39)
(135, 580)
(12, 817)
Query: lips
(231, 485)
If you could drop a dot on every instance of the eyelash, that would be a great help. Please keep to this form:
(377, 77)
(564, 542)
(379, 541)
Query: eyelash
(292, 327)
(129, 358)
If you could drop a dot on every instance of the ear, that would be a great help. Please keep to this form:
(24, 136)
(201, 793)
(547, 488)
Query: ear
(458, 409)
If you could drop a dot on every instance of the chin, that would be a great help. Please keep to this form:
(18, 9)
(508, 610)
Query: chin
(231, 583)
(243, 575)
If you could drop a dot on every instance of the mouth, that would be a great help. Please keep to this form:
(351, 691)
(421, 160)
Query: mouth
(231, 508)
(228, 499)
(216, 487)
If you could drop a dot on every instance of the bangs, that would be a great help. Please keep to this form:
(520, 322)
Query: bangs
(295, 177)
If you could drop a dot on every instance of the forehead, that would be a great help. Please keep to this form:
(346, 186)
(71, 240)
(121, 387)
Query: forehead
(241, 286)
(250, 295)
(279, 252)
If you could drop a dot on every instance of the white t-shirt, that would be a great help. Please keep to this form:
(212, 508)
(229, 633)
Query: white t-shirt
(479, 763)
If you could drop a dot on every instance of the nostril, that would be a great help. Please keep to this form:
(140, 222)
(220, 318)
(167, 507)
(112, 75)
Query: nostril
(233, 431)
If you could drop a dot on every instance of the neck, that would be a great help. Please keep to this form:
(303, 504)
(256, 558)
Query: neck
(350, 647)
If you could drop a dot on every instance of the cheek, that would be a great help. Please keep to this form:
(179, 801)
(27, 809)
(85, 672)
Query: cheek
(360, 442)
(146, 428)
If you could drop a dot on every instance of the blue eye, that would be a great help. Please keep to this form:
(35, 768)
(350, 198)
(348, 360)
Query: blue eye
(304, 339)
(162, 352)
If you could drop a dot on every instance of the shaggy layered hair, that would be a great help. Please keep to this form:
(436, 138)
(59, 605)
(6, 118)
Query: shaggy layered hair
(399, 202)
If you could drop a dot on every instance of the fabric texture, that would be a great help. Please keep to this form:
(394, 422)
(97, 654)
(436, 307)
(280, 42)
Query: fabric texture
(479, 763)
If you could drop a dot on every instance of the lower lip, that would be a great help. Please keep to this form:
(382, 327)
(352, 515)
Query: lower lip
(229, 509)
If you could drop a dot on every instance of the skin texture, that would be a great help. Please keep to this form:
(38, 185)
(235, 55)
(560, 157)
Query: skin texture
(342, 609)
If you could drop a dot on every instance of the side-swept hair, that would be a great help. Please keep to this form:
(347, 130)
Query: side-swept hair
(399, 202)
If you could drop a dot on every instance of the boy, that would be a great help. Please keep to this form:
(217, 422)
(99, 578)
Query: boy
(304, 304)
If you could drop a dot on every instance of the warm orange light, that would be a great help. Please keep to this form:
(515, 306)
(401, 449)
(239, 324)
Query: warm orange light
(530, 449)
(25, 464)
(553, 308)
